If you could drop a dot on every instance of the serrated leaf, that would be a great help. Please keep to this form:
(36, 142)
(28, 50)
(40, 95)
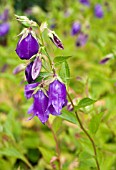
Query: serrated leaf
(65, 72)
(60, 59)
(84, 102)
(69, 116)
(95, 122)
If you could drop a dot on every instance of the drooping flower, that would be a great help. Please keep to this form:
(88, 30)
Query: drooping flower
(29, 89)
(98, 11)
(85, 2)
(4, 29)
(76, 27)
(81, 40)
(40, 106)
(55, 39)
(57, 97)
(27, 47)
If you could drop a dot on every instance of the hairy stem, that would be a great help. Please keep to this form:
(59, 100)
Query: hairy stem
(87, 134)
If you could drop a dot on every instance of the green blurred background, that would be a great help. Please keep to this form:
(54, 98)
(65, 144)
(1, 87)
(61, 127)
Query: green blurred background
(30, 145)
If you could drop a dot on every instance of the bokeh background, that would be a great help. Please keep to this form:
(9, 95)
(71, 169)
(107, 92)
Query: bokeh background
(30, 145)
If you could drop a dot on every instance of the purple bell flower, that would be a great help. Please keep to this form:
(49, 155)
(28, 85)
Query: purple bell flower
(98, 11)
(85, 2)
(40, 106)
(29, 89)
(81, 40)
(27, 47)
(76, 27)
(57, 97)
(28, 73)
(4, 29)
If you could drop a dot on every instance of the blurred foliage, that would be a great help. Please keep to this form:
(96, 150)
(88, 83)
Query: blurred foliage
(29, 144)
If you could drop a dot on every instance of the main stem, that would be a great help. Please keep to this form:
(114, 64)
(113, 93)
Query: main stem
(87, 134)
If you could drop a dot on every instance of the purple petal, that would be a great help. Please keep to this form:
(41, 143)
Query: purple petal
(4, 29)
(29, 89)
(82, 39)
(19, 68)
(28, 71)
(85, 2)
(57, 96)
(76, 27)
(41, 105)
(27, 47)
(98, 11)
(36, 67)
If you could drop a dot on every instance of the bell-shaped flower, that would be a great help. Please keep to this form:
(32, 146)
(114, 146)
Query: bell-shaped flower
(57, 97)
(76, 28)
(4, 29)
(98, 11)
(29, 90)
(27, 47)
(40, 106)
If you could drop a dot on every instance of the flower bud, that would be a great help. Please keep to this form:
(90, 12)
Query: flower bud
(55, 39)
(76, 27)
(4, 29)
(98, 11)
(32, 70)
(36, 68)
(27, 47)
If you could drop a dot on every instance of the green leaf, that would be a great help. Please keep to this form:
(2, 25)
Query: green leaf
(47, 153)
(60, 59)
(56, 125)
(69, 116)
(84, 102)
(12, 152)
(95, 122)
(65, 72)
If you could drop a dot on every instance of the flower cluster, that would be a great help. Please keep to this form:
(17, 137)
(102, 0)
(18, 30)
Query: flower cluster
(4, 25)
(48, 102)
(48, 98)
(77, 29)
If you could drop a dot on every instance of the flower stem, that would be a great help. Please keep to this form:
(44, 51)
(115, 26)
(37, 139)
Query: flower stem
(87, 134)
(42, 41)
(57, 144)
